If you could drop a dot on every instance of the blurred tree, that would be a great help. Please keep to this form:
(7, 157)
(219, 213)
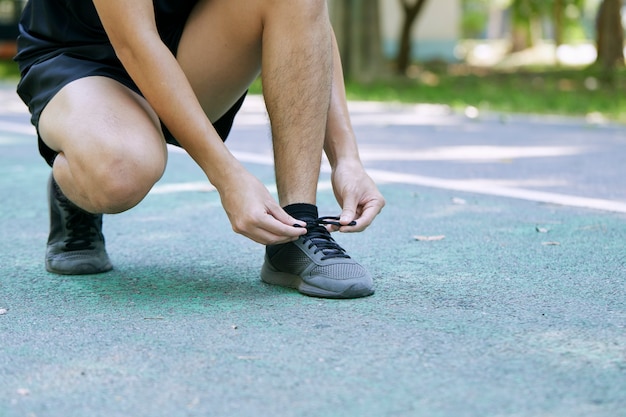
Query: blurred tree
(558, 16)
(475, 18)
(527, 16)
(610, 34)
(566, 20)
(412, 9)
(357, 28)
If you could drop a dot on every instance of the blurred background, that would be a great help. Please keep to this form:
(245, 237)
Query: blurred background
(540, 56)
(525, 56)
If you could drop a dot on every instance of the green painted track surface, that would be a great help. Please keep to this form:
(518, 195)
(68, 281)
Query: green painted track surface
(519, 311)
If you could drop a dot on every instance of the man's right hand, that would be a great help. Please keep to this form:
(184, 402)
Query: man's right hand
(254, 213)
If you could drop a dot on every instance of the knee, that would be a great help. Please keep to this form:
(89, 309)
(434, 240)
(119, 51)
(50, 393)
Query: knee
(121, 185)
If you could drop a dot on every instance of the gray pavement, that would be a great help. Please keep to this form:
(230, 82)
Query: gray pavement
(511, 303)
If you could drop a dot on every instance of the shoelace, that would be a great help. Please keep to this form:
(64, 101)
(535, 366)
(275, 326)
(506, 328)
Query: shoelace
(321, 238)
(80, 226)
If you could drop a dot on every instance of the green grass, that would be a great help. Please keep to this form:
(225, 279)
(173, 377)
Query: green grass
(571, 92)
(8, 70)
(574, 92)
(545, 91)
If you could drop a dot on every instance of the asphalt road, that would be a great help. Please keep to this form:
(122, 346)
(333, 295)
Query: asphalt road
(499, 262)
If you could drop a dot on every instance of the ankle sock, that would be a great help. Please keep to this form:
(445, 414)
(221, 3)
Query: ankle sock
(302, 211)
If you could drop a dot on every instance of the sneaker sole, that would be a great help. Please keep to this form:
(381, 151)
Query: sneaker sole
(83, 268)
(273, 277)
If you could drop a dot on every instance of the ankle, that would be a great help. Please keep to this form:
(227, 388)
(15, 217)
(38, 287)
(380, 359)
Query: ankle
(302, 211)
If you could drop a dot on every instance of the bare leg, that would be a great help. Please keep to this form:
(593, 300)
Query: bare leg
(111, 152)
(355, 191)
(297, 70)
(111, 148)
(292, 40)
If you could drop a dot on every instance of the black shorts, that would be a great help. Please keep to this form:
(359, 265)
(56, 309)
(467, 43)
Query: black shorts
(44, 76)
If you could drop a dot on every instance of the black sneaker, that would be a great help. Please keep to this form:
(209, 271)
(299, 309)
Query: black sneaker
(75, 243)
(316, 265)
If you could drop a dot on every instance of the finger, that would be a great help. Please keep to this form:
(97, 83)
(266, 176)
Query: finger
(281, 215)
(283, 226)
(332, 228)
(266, 229)
(348, 212)
(363, 220)
(267, 238)
(269, 231)
(272, 239)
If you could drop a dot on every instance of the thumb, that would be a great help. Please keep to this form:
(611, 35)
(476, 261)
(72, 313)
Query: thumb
(348, 213)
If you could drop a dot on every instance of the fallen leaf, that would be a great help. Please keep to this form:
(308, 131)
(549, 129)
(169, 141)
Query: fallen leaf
(429, 238)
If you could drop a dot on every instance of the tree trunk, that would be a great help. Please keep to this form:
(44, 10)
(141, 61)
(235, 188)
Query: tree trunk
(558, 14)
(340, 19)
(357, 28)
(610, 35)
(411, 12)
(522, 36)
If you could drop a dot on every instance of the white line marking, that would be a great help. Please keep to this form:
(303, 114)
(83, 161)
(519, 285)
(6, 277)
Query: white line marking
(21, 128)
(170, 188)
(204, 187)
(485, 187)
(469, 153)
(491, 188)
